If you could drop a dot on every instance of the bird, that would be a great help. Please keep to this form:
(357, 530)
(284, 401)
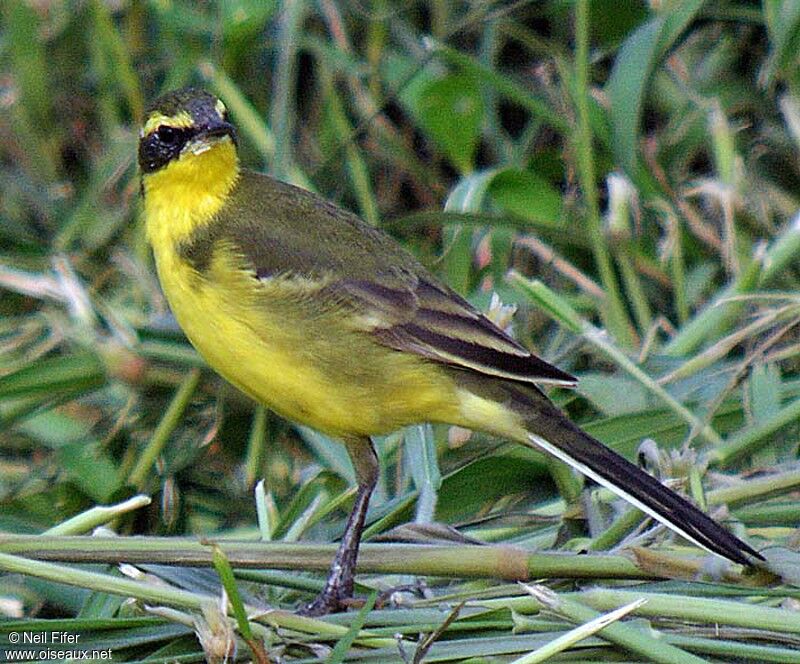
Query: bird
(332, 324)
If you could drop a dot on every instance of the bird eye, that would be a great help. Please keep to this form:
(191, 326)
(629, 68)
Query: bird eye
(167, 135)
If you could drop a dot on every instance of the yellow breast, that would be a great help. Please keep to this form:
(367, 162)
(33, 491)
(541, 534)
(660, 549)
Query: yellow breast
(311, 367)
(310, 371)
(217, 313)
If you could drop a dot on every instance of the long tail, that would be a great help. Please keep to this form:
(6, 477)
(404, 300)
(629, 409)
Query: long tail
(549, 429)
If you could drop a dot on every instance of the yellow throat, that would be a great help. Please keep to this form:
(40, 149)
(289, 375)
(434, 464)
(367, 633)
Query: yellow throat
(189, 191)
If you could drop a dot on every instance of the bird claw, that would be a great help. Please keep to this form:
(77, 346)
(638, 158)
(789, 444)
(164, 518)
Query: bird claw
(330, 600)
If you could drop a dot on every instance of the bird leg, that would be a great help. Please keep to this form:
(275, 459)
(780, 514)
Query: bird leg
(339, 586)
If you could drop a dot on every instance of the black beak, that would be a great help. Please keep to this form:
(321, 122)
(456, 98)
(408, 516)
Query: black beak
(218, 129)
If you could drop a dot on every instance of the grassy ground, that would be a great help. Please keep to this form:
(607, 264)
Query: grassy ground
(626, 176)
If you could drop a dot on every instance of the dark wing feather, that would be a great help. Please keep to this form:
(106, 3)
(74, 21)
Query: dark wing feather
(285, 232)
(387, 291)
(446, 328)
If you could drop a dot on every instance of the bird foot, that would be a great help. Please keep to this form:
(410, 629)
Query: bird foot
(330, 600)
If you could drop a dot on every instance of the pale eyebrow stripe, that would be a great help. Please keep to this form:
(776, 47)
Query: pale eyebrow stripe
(181, 120)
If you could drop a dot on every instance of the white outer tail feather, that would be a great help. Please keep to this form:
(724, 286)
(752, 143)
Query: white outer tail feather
(585, 470)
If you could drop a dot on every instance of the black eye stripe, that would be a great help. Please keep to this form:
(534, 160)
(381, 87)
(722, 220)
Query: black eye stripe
(162, 145)
(169, 135)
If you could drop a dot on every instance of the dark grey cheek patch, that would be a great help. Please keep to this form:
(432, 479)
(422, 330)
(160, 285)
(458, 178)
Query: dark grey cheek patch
(155, 153)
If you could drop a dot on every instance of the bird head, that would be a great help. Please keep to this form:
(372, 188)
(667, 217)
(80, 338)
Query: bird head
(188, 161)
(182, 125)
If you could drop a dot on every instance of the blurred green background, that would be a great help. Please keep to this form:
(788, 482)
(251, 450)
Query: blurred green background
(624, 174)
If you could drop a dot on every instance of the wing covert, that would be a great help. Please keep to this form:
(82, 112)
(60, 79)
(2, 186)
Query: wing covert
(385, 290)
(446, 328)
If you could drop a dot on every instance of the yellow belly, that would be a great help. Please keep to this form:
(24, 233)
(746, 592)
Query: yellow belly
(311, 369)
